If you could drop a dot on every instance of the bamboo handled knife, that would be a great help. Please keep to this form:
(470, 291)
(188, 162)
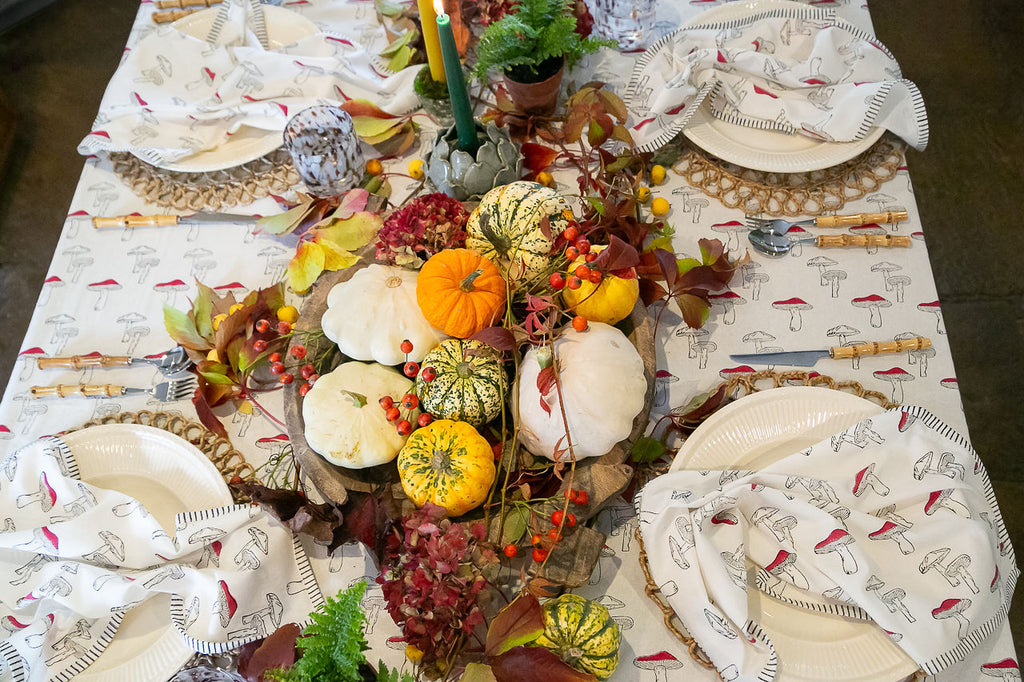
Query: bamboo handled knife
(808, 358)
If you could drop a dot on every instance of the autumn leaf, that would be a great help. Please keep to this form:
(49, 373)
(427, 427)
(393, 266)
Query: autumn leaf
(365, 108)
(202, 310)
(283, 223)
(694, 308)
(276, 651)
(537, 157)
(373, 130)
(517, 624)
(306, 265)
(399, 42)
(351, 203)
(535, 663)
(498, 338)
(477, 672)
(335, 257)
(352, 233)
(182, 329)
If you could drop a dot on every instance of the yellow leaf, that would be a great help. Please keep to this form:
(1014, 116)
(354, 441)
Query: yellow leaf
(368, 127)
(306, 266)
(337, 258)
(350, 234)
(283, 223)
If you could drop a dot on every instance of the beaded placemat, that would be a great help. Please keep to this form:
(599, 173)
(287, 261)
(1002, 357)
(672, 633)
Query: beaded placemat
(737, 387)
(229, 461)
(791, 194)
(210, 190)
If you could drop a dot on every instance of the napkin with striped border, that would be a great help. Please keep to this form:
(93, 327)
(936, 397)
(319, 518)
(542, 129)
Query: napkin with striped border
(792, 70)
(893, 520)
(77, 558)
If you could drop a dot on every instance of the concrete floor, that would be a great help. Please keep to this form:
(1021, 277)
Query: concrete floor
(964, 57)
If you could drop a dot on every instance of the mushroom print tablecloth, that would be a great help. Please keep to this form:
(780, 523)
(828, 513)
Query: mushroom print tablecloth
(105, 292)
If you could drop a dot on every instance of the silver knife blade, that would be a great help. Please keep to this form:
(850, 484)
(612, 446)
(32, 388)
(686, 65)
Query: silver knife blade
(795, 358)
(205, 217)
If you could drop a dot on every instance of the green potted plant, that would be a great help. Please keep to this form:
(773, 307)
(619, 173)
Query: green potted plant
(531, 45)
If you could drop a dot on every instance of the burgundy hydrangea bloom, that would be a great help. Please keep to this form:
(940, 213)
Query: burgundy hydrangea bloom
(429, 582)
(426, 225)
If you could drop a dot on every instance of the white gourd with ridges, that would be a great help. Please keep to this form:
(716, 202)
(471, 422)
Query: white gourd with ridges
(373, 312)
(346, 433)
(602, 383)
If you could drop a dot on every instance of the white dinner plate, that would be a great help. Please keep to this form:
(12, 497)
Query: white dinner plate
(168, 476)
(247, 143)
(765, 150)
(751, 433)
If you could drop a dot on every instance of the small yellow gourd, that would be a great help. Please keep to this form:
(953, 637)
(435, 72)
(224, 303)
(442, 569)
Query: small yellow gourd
(447, 463)
(609, 301)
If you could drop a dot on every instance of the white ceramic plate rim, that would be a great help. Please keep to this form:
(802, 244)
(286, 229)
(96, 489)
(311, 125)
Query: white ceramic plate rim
(765, 150)
(247, 143)
(146, 451)
(793, 418)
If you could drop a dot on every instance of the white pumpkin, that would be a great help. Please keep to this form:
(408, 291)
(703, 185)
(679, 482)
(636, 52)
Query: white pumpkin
(345, 430)
(370, 315)
(603, 385)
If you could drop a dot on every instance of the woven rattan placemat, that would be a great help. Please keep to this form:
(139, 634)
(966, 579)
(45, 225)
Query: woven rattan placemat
(229, 461)
(737, 387)
(211, 190)
(791, 194)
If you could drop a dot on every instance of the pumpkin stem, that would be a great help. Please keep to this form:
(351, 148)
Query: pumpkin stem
(467, 284)
(358, 399)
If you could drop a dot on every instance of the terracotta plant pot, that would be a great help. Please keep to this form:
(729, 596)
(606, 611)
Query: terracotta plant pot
(535, 98)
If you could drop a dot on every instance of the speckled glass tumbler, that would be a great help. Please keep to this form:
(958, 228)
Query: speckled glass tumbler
(324, 149)
(630, 23)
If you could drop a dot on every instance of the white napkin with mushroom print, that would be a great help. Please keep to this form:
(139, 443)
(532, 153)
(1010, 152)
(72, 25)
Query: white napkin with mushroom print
(75, 558)
(892, 520)
(176, 94)
(792, 70)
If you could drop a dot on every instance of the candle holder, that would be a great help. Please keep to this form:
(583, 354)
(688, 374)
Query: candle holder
(433, 97)
(497, 161)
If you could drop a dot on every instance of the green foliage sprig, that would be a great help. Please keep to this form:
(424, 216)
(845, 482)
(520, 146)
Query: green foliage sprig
(538, 30)
(333, 644)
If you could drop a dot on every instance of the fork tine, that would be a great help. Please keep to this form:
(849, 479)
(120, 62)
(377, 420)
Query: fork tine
(181, 388)
(755, 222)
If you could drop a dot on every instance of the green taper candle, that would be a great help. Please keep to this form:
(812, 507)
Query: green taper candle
(465, 126)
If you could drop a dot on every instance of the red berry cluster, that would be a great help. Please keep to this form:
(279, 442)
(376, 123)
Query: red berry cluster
(410, 401)
(560, 519)
(578, 245)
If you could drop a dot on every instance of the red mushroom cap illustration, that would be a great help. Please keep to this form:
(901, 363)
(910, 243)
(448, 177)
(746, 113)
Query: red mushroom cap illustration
(935, 499)
(16, 623)
(51, 493)
(725, 517)
(271, 441)
(874, 299)
(950, 607)
(836, 538)
(739, 369)
(36, 350)
(1002, 668)
(927, 307)
(51, 537)
(782, 559)
(173, 284)
(798, 303)
(661, 659)
(887, 530)
(231, 602)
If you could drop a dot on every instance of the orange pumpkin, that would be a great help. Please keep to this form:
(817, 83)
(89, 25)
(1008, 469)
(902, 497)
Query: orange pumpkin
(460, 292)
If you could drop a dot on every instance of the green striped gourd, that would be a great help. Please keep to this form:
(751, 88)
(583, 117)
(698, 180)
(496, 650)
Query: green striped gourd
(582, 633)
(506, 227)
(470, 385)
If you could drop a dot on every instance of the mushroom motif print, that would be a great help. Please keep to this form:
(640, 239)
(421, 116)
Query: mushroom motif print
(783, 566)
(794, 306)
(837, 542)
(874, 304)
(894, 532)
(660, 663)
(865, 479)
(954, 608)
(1006, 670)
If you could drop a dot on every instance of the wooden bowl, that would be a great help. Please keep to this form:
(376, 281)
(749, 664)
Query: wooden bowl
(334, 481)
